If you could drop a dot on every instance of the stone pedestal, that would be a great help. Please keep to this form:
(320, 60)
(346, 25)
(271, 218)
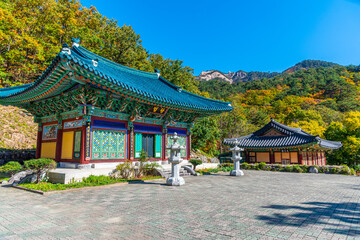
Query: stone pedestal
(236, 157)
(175, 179)
(236, 171)
(175, 160)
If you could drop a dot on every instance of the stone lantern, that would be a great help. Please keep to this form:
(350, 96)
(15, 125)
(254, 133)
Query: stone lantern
(175, 160)
(236, 157)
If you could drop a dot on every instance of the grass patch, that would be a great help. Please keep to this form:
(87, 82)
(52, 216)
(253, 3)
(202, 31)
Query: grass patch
(4, 179)
(215, 170)
(90, 181)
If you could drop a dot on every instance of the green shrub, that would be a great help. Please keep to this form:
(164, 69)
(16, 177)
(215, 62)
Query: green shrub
(86, 182)
(245, 165)
(261, 166)
(297, 168)
(226, 168)
(149, 168)
(11, 168)
(40, 166)
(125, 169)
(345, 170)
(226, 164)
(288, 168)
(305, 168)
(334, 170)
(195, 162)
(279, 167)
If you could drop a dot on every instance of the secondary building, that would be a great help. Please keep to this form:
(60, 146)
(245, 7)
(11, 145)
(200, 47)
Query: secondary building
(91, 110)
(280, 144)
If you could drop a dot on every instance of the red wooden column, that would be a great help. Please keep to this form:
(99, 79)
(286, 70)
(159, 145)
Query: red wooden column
(272, 157)
(83, 145)
(85, 140)
(300, 158)
(131, 140)
(38, 141)
(188, 146)
(59, 142)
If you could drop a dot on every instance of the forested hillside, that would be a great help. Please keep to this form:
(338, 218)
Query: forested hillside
(322, 100)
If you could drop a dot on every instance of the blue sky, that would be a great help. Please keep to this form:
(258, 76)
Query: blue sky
(263, 35)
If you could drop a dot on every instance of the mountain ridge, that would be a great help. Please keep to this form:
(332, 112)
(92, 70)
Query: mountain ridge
(243, 76)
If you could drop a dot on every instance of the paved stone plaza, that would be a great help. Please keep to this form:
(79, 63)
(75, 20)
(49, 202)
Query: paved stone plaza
(259, 205)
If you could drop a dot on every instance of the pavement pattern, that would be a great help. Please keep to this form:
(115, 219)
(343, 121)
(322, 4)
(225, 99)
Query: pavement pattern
(259, 205)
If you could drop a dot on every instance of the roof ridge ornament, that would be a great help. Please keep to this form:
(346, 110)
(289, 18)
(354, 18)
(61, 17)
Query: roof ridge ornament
(95, 62)
(66, 49)
(75, 42)
(157, 71)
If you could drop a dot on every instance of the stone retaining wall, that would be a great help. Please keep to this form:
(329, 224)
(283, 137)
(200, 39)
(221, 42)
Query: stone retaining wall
(7, 155)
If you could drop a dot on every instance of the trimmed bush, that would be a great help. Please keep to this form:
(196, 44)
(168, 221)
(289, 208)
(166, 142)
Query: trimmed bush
(345, 170)
(261, 166)
(126, 169)
(334, 170)
(288, 168)
(245, 165)
(297, 168)
(11, 168)
(195, 162)
(40, 166)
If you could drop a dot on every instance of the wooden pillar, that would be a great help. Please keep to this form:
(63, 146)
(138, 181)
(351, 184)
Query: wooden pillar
(272, 157)
(131, 141)
(300, 159)
(59, 142)
(188, 146)
(165, 145)
(85, 140)
(38, 141)
(83, 145)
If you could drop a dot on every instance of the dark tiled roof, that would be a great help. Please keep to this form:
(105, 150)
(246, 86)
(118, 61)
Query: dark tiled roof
(293, 137)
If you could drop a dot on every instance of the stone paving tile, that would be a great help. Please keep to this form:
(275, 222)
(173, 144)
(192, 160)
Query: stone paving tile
(259, 205)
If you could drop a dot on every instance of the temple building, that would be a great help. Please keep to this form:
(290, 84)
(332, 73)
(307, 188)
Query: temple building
(91, 110)
(276, 143)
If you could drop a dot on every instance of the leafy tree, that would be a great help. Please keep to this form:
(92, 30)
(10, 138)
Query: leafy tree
(40, 166)
(11, 168)
(205, 135)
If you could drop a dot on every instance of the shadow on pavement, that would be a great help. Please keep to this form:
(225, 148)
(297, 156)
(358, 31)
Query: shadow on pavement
(338, 218)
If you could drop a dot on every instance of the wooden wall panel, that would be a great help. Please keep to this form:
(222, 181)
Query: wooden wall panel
(67, 145)
(48, 150)
(263, 157)
(294, 157)
(277, 157)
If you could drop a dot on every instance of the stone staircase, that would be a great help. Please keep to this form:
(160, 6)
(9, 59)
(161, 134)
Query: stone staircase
(166, 172)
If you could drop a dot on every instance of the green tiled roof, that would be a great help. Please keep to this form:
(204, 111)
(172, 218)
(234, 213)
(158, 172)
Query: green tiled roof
(142, 84)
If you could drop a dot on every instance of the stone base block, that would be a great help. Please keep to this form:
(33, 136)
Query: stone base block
(84, 166)
(236, 173)
(172, 181)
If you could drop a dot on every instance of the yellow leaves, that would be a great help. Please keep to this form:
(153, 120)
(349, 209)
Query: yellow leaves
(352, 120)
(311, 126)
(352, 144)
